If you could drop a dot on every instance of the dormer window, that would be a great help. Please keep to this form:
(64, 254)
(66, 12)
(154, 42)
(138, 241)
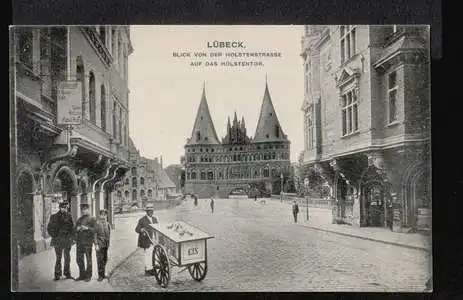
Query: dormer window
(277, 131)
(198, 136)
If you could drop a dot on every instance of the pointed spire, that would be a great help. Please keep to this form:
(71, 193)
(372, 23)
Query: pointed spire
(161, 161)
(228, 123)
(235, 118)
(203, 128)
(268, 127)
(265, 78)
(242, 123)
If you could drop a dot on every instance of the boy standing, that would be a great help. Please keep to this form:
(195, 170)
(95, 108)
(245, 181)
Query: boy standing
(85, 229)
(102, 237)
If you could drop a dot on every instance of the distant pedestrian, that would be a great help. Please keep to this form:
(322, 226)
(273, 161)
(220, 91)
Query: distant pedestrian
(85, 229)
(212, 205)
(195, 200)
(102, 238)
(61, 229)
(146, 235)
(295, 208)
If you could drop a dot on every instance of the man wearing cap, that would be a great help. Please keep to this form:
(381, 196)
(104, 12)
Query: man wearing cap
(145, 233)
(102, 237)
(85, 229)
(61, 229)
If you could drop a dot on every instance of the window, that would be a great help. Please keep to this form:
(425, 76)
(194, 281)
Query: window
(193, 175)
(126, 194)
(142, 193)
(203, 175)
(277, 131)
(103, 108)
(114, 118)
(142, 180)
(91, 94)
(392, 96)
(266, 172)
(210, 175)
(310, 131)
(120, 125)
(134, 171)
(349, 113)
(58, 39)
(348, 42)
(150, 193)
(198, 136)
(25, 46)
(134, 195)
(80, 76)
(127, 181)
(134, 181)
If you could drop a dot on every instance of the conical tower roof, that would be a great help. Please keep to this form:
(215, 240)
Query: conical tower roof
(203, 129)
(268, 127)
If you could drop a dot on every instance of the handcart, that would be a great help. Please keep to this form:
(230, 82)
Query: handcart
(179, 244)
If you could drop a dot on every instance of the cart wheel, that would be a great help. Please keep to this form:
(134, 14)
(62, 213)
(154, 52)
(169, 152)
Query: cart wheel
(198, 271)
(161, 266)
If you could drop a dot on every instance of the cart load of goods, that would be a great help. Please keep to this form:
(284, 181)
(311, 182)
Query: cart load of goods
(177, 227)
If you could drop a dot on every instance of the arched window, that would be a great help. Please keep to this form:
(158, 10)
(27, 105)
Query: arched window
(134, 171)
(210, 175)
(266, 172)
(126, 194)
(203, 175)
(127, 181)
(150, 193)
(134, 195)
(142, 180)
(91, 95)
(134, 181)
(142, 193)
(193, 175)
(103, 108)
(80, 76)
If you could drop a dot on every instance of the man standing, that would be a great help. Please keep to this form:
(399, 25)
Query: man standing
(85, 228)
(61, 229)
(212, 204)
(295, 210)
(102, 237)
(145, 233)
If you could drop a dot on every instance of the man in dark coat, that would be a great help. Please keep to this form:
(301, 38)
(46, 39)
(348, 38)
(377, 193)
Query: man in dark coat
(102, 237)
(145, 232)
(295, 210)
(61, 229)
(85, 229)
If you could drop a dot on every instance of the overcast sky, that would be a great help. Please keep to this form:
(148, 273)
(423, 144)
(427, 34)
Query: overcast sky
(165, 91)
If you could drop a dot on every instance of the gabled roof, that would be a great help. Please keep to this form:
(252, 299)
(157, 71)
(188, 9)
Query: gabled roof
(162, 179)
(203, 125)
(268, 122)
(132, 147)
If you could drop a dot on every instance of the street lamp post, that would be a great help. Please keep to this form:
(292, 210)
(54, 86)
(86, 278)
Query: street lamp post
(306, 185)
(281, 188)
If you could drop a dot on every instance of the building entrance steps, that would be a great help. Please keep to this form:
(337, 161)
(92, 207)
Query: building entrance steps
(321, 219)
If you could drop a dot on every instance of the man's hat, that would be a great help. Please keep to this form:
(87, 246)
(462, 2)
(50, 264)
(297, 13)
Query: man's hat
(84, 205)
(63, 204)
(149, 207)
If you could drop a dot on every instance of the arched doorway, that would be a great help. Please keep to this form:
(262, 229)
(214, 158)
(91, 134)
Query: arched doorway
(417, 195)
(26, 213)
(65, 188)
(373, 196)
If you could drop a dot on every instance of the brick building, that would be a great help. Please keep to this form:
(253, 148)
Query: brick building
(367, 122)
(75, 163)
(146, 181)
(238, 162)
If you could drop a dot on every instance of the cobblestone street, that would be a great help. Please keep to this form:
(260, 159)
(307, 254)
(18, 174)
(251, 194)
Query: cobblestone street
(257, 247)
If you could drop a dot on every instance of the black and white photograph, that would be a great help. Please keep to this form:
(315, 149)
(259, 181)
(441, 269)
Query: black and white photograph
(221, 158)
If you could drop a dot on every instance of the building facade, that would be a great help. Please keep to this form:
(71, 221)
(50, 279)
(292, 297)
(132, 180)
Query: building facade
(367, 122)
(256, 165)
(145, 182)
(76, 163)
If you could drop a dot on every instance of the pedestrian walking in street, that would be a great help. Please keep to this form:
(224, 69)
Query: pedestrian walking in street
(102, 238)
(61, 229)
(85, 231)
(212, 205)
(145, 235)
(195, 200)
(295, 208)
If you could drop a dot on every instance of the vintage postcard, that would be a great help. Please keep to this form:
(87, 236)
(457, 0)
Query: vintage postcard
(221, 158)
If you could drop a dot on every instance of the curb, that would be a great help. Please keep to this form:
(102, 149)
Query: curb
(120, 263)
(368, 238)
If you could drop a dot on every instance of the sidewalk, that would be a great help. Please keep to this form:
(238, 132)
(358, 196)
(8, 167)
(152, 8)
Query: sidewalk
(36, 270)
(320, 219)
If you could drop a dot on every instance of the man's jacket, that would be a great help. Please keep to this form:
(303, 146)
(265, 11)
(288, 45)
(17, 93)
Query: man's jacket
(295, 208)
(102, 234)
(86, 236)
(144, 223)
(61, 229)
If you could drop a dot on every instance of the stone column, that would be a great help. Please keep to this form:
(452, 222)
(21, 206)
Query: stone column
(38, 222)
(356, 209)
